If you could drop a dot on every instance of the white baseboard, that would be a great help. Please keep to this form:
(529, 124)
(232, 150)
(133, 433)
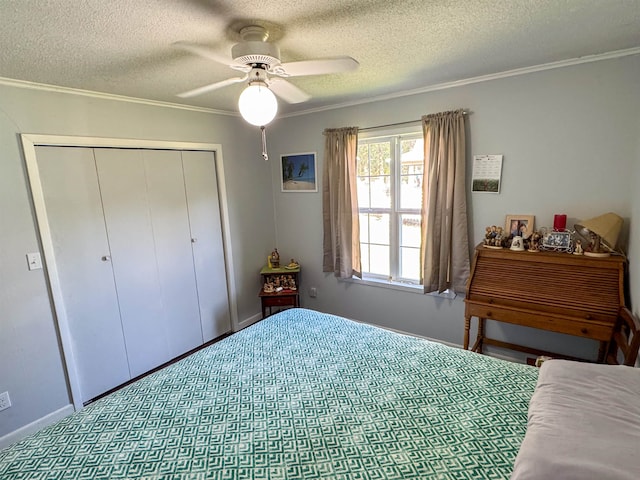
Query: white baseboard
(249, 321)
(22, 432)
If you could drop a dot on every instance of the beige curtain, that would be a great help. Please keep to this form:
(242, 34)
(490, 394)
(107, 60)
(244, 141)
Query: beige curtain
(445, 242)
(341, 240)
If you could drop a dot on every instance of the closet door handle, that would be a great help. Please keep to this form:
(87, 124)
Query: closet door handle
(106, 258)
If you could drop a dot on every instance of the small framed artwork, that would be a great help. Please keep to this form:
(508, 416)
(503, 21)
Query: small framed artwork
(519, 225)
(298, 172)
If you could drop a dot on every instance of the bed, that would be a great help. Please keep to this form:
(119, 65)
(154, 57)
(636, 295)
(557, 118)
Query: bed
(307, 395)
(300, 394)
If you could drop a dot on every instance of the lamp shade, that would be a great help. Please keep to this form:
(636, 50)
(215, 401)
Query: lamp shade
(606, 226)
(258, 104)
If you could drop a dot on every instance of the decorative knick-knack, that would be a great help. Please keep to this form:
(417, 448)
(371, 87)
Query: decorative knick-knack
(275, 258)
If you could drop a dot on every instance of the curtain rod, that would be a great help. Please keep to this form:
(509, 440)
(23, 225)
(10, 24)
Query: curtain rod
(464, 112)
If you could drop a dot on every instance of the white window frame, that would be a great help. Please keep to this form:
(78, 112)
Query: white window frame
(393, 280)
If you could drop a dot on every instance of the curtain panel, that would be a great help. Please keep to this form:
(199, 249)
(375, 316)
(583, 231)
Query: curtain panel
(445, 241)
(341, 241)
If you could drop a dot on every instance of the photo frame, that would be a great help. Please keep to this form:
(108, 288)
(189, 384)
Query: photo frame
(519, 225)
(298, 172)
(558, 241)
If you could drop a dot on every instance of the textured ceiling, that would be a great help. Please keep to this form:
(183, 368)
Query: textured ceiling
(124, 47)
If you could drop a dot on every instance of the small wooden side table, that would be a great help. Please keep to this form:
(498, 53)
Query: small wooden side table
(282, 277)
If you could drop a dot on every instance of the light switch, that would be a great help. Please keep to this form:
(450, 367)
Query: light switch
(34, 261)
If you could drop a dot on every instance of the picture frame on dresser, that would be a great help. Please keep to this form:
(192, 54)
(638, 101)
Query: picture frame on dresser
(519, 225)
(298, 173)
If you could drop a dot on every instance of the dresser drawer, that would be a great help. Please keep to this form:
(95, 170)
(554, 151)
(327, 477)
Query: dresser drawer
(580, 327)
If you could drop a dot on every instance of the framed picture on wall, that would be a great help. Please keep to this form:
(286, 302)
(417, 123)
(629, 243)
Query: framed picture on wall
(298, 172)
(519, 225)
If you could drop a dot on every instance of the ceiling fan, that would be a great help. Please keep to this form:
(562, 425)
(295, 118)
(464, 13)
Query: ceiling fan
(259, 61)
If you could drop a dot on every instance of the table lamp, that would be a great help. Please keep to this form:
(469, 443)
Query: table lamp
(602, 233)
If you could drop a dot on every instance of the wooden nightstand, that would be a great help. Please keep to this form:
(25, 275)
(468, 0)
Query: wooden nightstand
(287, 296)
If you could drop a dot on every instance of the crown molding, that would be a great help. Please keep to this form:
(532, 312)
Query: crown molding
(108, 96)
(482, 78)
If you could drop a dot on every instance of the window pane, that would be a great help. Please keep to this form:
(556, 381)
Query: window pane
(411, 191)
(411, 170)
(363, 187)
(364, 228)
(410, 231)
(412, 151)
(410, 263)
(379, 260)
(363, 160)
(379, 228)
(380, 192)
(380, 158)
(364, 256)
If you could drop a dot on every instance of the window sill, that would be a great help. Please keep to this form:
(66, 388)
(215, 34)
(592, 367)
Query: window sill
(405, 287)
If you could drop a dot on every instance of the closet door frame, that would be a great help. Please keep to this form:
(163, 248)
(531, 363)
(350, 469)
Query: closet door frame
(29, 144)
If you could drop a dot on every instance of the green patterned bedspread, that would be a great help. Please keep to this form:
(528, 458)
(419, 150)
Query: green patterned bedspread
(299, 395)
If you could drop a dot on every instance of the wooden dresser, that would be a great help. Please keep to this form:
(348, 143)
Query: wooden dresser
(559, 292)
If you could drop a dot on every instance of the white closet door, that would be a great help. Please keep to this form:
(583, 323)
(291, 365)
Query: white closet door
(76, 222)
(125, 202)
(208, 252)
(170, 223)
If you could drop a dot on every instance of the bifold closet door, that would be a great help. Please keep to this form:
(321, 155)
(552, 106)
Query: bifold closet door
(78, 233)
(147, 223)
(137, 238)
(206, 232)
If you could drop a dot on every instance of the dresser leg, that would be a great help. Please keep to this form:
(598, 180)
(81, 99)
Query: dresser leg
(602, 351)
(467, 325)
(477, 347)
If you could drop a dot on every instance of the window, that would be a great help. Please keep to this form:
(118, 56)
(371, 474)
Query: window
(390, 175)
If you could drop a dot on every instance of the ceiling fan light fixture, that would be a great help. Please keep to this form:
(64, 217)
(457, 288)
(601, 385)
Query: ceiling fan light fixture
(257, 104)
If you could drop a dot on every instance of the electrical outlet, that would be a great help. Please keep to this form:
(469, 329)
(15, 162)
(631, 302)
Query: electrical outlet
(313, 292)
(5, 401)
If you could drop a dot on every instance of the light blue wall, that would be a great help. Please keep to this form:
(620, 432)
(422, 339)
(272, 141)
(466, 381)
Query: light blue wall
(569, 140)
(31, 369)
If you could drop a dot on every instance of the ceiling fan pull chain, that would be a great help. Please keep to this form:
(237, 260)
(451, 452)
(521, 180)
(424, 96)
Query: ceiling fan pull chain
(264, 144)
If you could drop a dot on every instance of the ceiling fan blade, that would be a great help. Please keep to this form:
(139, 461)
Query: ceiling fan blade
(319, 66)
(212, 86)
(287, 91)
(207, 52)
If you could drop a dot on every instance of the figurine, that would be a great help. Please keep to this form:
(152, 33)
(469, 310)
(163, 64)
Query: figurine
(517, 244)
(497, 241)
(487, 236)
(275, 258)
(534, 245)
(578, 250)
